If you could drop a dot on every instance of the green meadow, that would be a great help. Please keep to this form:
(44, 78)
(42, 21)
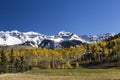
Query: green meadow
(65, 74)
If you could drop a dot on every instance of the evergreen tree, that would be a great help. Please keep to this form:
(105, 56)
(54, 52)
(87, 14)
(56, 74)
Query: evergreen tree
(11, 62)
(22, 64)
(3, 61)
(17, 62)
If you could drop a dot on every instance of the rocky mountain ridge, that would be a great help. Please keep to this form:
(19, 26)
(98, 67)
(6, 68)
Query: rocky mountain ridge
(40, 40)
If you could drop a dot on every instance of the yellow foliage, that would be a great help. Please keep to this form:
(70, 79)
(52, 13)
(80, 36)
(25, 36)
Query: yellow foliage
(68, 65)
(35, 62)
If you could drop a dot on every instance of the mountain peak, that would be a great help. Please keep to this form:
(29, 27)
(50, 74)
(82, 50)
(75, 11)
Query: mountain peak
(94, 38)
(15, 31)
(63, 33)
(31, 32)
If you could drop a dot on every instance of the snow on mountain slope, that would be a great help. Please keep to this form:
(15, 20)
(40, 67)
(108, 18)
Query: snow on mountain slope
(95, 38)
(16, 37)
(53, 38)
(10, 38)
(34, 39)
(65, 36)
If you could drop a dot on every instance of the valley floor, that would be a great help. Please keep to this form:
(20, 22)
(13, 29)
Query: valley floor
(65, 74)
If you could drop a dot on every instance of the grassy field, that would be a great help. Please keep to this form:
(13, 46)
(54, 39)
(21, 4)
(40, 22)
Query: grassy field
(65, 74)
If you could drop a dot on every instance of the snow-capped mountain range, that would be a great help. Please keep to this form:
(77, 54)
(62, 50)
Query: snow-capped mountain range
(37, 39)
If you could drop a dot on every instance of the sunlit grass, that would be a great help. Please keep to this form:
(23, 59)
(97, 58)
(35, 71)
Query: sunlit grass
(65, 74)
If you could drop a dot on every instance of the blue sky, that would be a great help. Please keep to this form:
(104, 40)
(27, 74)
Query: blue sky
(52, 16)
